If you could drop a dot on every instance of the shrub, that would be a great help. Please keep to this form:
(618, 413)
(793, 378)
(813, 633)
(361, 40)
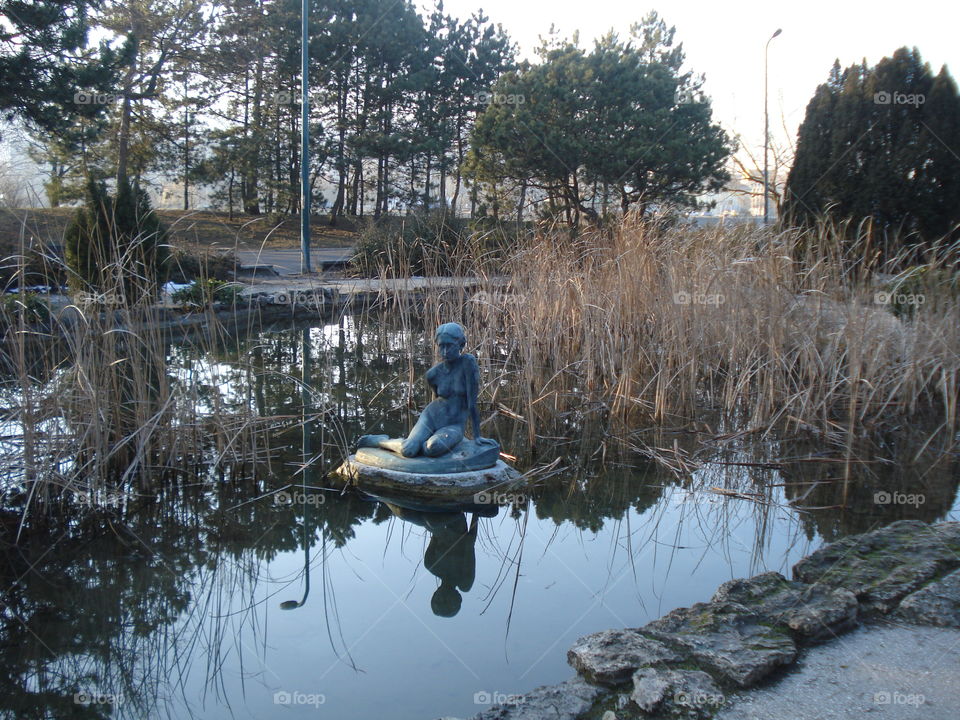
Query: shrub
(424, 243)
(116, 244)
(202, 293)
(29, 307)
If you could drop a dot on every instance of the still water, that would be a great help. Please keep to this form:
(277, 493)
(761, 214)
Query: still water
(274, 593)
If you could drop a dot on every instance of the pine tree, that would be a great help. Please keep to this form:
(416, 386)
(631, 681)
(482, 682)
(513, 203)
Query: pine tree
(48, 71)
(623, 117)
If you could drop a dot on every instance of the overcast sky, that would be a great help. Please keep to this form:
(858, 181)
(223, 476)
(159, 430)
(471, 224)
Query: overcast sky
(725, 41)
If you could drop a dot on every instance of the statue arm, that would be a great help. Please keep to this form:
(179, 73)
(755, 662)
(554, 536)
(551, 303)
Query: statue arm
(431, 378)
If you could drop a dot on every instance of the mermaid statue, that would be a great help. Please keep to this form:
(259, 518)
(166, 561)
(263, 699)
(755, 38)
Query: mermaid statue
(440, 431)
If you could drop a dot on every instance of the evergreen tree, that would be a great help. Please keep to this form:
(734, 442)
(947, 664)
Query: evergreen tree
(116, 245)
(47, 72)
(622, 118)
(879, 144)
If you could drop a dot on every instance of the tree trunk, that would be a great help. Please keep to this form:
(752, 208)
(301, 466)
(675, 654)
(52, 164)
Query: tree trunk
(123, 137)
(251, 198)
(338, 203)
(522, 202)
(426, 184)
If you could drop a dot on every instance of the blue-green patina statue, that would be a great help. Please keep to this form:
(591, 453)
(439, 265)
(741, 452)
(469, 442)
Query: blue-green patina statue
(437, 442)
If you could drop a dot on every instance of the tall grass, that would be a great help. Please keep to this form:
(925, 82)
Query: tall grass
(659, 325)
(94, 410)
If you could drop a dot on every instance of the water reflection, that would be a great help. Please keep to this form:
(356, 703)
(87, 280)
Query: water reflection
(168, 604)
(450, 554)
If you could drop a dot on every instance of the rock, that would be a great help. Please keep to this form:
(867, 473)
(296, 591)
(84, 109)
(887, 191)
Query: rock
(650, 687)
(812, 613)
(691, 692)
(935, 604)
(883, 566)
(484, 487)
(610, 657)
(566, 701)
(822, 615)
(728, 638)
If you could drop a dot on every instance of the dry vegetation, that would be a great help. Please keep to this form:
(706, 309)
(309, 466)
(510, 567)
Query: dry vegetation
(642, 325)
(93, 406)
(662, 325)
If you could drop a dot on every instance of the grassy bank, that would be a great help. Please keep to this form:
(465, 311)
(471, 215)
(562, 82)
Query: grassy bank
(199, 239)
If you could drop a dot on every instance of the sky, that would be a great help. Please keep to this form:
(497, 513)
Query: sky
(725, 42)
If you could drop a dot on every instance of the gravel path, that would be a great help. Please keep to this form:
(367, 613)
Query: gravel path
(885, 671)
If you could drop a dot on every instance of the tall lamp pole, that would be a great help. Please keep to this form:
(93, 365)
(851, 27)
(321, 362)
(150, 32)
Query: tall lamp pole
(305, 266)
(766, 133)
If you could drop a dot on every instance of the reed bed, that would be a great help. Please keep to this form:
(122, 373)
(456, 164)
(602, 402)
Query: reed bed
(657, 324)
(98, 412)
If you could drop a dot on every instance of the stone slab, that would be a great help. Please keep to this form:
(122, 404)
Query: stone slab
(736, 644)
(935, 604)
(483, 487)
(611, 657)
(884, 566)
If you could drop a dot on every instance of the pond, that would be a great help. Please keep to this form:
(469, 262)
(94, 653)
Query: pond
(275, 593)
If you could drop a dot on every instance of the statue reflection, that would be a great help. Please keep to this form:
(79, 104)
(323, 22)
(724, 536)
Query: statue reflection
(450, 554)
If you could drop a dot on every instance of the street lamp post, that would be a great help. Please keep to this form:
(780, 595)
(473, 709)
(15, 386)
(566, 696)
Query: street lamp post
(766, 133)
(306, 479)
(304, 141)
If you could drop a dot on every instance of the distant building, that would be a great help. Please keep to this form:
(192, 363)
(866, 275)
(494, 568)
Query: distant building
(741, 198)
(170, 197)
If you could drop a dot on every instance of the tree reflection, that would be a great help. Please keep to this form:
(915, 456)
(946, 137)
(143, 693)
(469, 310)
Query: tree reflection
(130, 599)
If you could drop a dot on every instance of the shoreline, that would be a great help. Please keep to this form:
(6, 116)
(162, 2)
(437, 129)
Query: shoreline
(286, 297)
(709, 659)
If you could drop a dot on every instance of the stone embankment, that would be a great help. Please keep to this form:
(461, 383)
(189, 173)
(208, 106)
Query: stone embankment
(685, 664)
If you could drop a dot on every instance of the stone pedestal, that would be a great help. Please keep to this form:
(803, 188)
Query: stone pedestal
(432, 490)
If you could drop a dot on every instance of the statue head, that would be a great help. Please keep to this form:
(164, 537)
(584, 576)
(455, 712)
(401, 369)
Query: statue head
(451, 332)
(450, 338)
(446, 601)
